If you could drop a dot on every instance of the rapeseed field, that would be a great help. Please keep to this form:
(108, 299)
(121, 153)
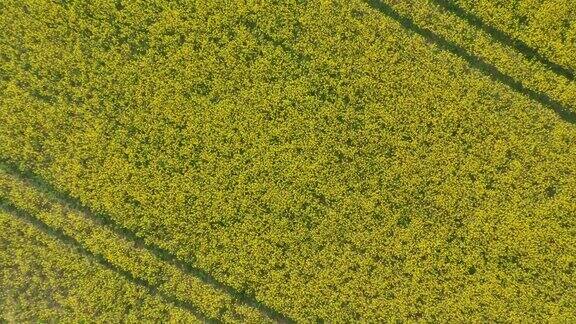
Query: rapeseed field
(263, 161)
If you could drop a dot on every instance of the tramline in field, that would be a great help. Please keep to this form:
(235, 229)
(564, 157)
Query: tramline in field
(292, 161)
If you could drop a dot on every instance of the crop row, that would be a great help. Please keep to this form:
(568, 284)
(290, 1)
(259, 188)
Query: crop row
(547, 26)
(531, 74)
(43, 280)
(303, 153)
(124, 254)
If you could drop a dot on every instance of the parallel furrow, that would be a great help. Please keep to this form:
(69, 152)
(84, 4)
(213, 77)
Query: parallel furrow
(59, 235)
(147, 262)
(476, 62)
(520, 46)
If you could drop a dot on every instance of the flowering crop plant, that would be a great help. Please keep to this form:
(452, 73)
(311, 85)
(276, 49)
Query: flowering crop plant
(263, 161)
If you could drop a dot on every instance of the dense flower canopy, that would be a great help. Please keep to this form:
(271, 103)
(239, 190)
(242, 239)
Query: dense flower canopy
(262, 161)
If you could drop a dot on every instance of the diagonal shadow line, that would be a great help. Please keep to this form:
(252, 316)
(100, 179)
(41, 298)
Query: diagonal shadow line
(59, 235)
(161, 253)
(520, 46)
(477, 63)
